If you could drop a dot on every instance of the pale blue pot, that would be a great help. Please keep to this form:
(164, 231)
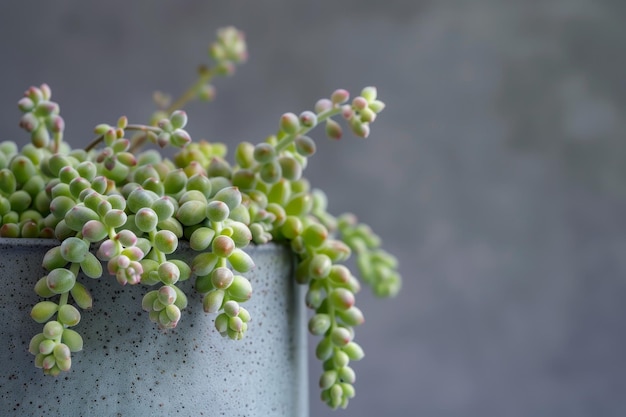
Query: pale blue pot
(130, 368)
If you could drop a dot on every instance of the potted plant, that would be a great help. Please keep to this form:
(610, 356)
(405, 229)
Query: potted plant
(190, 229)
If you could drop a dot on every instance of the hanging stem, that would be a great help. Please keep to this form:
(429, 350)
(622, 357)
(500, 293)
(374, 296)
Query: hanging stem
(204, 76)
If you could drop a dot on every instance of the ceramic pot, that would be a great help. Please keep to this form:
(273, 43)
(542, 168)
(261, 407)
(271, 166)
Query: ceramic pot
(128, 367)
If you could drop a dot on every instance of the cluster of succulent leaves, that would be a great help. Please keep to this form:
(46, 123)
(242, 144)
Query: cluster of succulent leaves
(135, 207)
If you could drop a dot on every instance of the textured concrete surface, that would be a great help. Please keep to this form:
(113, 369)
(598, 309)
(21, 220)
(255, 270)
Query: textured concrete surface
(496, 174)
(128, 368)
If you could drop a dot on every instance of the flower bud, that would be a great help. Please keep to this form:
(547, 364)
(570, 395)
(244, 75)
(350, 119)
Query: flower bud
(5, 205)
(191, 212)
(244, 314)
(178, 119)
(114, 218)
(328, 379)
(308, 119)
(299, 205)
(221, 278)
(235, 324)
(173, 314)
(271, 172)
(8, 183)
(25, 104)
(54, 259)
(218, 167)
(72, 339)
(139, 198)
(324, 349)
(367, 116)
(60, 280)
(360, 129)
(341, 298)
(352, 316)
(49, 366)
(168, 272)
(212, 301)
(305, 146)
(240, 289)
(354, 351)
(61, 352)
(241, 234)
(10, 230)
(369, 93)
(290, 168)
(166, 295)
(181, 299)
(223, 246)
(67, 174)
(244, 155)
(376, 106)
(201, 238)
(20, 200)
(206, 92)
(146, 219)
(35, 341)
(336, 250)
(180, 138)
(336, 395)
(240, 261)
(340, 336)
(333, 129)
(29, 229)
(323, 105)
(78, 215)
(231, 196)
(289, 123)
(217, 211)
(53, 330)
(314, 235)
(43, 311)
(91, 266)
(359, 103)
(46, 346)
(203, 283)
(231, 308)
(164, 208)
(60, 205)
(68, 315)
(175, 181)
(320, 266)
(203, 263)
(264, 153)
(165, 241)
(221, 323)
(81, 296)
(171, 225)
(347, 375)
(319, 324)
(74, 249)
(148, 300)
(202, 185)
(42, 290)
(40, 137)
(339, 96)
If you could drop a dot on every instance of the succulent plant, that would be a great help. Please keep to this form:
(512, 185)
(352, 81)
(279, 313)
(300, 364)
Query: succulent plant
(112, 204)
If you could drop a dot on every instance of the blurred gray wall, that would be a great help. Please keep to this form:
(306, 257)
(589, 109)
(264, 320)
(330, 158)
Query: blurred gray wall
(496, 174)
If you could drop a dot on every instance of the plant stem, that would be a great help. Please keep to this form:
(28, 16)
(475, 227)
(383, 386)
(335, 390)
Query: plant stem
(56, 145)
(204, 76)
(140, 128)
(321, 117)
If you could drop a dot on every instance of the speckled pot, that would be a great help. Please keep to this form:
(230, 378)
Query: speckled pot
(130, 368)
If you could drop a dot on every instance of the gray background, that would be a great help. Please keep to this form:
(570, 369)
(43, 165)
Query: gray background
(496, 173)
